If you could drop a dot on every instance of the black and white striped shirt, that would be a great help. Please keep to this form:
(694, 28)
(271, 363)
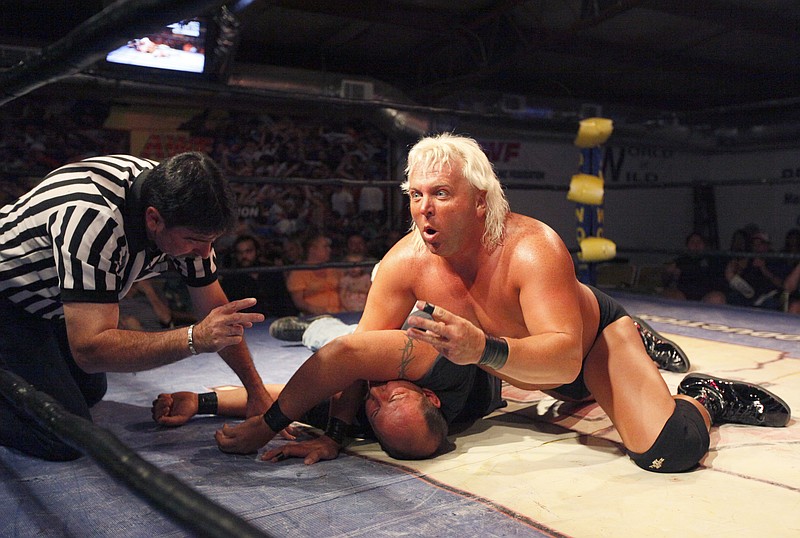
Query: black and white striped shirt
(80, 236)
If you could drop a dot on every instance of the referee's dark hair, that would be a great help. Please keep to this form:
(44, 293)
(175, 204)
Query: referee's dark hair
(189, 190)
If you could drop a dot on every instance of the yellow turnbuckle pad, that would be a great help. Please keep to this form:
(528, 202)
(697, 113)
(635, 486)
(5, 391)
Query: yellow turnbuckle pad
(593, 131)
(586, 189)
(597, 249)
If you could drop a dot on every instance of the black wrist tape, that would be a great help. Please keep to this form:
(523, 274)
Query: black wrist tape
(207, 403)
(275, 418)
(495, 354)
(336, 430)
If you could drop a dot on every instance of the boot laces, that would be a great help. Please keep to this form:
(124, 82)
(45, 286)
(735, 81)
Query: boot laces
(735, 408)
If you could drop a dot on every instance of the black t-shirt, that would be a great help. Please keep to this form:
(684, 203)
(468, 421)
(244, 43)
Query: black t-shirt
(466, 392)
(269, 289)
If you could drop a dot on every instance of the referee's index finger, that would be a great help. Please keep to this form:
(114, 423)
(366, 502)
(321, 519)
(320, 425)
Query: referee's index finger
(240, 304)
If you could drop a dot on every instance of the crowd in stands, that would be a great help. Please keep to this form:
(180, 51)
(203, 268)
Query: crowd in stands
(754, 279)
(37, 136)
(40, 135)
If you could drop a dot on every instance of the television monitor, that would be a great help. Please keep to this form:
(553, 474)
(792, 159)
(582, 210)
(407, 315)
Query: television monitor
(180, 46)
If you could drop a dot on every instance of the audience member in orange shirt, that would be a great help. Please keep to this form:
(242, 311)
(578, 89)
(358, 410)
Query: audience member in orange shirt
(316, 291)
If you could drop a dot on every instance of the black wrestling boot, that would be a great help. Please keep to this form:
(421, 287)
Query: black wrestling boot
(291, 328)
(736, 402)
(665, 353)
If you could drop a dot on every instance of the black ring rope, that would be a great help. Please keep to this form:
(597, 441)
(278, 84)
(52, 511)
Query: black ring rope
(334, 181)
(161, 490)
(370, 264)
(714, 253)
(611, 186)
(299, 267)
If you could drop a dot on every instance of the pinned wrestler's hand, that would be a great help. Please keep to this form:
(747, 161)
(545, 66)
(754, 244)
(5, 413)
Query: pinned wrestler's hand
(312, 451)
(224, 326)
(454, 337)
(174, 409)
(244, 438)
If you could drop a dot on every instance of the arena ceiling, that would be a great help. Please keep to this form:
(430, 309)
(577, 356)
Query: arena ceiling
(726, 70)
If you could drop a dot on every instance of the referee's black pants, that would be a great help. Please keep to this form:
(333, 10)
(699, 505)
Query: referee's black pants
(37, 350)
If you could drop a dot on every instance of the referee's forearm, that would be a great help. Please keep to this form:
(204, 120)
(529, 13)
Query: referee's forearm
(118, 350)
(238, 358)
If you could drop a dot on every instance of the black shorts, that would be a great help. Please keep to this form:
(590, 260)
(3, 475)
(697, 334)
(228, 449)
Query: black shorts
(610, 311)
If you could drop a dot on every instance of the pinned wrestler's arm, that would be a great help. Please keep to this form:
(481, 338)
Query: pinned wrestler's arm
(371, 356)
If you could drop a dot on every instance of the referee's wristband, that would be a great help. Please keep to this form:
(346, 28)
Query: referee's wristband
(190, 340)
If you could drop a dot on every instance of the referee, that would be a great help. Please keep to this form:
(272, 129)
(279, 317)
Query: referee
(72, 247)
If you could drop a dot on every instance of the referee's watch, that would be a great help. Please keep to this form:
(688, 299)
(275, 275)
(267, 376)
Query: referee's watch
(190, 340)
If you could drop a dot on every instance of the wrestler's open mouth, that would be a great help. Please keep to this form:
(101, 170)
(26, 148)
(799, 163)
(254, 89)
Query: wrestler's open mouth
(428, 231)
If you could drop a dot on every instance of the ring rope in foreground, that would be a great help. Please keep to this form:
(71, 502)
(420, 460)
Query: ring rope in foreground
(161, 490)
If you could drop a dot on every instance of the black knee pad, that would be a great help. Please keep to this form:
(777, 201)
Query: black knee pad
(680, 445)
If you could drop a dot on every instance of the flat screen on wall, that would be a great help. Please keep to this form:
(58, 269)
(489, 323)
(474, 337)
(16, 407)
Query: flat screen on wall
(180, 46)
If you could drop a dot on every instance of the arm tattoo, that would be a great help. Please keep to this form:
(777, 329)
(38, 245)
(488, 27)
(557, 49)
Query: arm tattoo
(406, 358)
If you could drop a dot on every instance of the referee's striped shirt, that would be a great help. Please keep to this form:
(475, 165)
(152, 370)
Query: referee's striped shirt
(80, 236)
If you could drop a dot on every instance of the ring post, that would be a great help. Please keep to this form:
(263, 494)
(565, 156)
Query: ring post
(586, 190)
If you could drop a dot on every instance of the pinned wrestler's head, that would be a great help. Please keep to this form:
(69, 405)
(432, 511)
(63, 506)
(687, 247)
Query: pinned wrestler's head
(406, 419)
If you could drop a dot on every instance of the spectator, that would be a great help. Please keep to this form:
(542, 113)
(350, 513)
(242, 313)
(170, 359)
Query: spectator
(791, 284)
(267, 287)
(791, 243)
(740, 241)
(144, 309)
(696, 276)
(755, 281)
(357, 246)
(354, 285)
(370, 203)
(343, 202)
(316, 291)
(791, 246)
(387, 241)
(176, 295)
(791, 287)
(291, 252)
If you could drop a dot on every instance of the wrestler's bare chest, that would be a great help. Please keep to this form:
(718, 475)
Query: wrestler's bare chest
(488, 298)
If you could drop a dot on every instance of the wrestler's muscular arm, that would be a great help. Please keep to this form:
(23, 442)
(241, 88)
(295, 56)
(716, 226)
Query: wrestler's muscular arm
(553, 312)
(391, 296)
(372, 355)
